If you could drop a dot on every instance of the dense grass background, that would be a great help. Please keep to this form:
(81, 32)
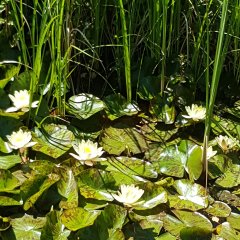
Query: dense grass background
(141, 49)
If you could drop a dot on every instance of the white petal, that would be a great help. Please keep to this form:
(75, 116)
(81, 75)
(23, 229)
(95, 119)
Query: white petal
(30, 144)
(12, 109)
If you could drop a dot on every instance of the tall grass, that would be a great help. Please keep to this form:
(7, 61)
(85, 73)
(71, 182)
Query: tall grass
(222, 44)
(46, 29)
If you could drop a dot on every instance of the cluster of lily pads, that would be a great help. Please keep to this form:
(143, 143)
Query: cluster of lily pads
(128, 178)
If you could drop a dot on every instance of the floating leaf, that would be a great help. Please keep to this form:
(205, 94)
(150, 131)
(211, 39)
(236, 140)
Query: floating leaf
(76, 218)
(153, 195)
(4, 223)
(8, 182)
(118, 106)
(219, 209)
(194, 219)
(190, 233)
(130, 166)
(53, 228)
(33, 188)
(166, 236)
(192, 196)
(171, 162)
(193, 155)
(234, 220)
(9, 161)
(41, 166)
(67, 187)
(227, 232)
(9, 72)
(53, 140)
(94, 183)
(117, 140)
(84, 105)
(172, 225)
(230, 178)
(8, 201)
(28, 227)
(158, 133)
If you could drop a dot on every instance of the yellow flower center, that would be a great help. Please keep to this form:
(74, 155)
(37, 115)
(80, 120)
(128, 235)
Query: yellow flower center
(87, 149)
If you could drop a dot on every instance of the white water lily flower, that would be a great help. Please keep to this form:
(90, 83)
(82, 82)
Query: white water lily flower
(87, 152)
(20, 139)
(210, 152)
(226, 143)
(129, 195)
(21, 101)
(195, 112)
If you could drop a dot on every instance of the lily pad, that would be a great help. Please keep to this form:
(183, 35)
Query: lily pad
(33, 188)
(53, 140)
(117, 140)
(8, 201)
(76, 218)
(117, 106)
(31, 229)
(226, 231)
(194, 219)
(67, 187)
(192, 196)
(53, 228)
(8, 182)
(230, 178)
(84, 105)
(171, 162)
(9, 161)
(172, 225)
(153, 196)
(94, 183)
(130, 166)
(234, 220)
(219, 209)
(193, 155)
(190, 233)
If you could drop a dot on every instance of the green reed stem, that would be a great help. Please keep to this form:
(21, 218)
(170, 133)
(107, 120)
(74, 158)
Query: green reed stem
(127, 61)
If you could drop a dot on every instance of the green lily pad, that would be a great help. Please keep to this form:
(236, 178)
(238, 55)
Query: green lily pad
(8, 182)
(117, 106)
(28, 227)
(219, 209)
(76, 218)
(166, 236)
(53, 228)
(226, 231)
(67, 187)
(234, 220)
(192, 196)
(42, 166)
(153, 195)
(230, 178)
(130, 166)
(84, 105)
(117, 140)
(156, 132)
(192, 233)
(4, 148)
(8, 201)
(9, 161)
(10, 124)
(193, 155)
(4, 223)
(124, 178)
(34, 187)
(163, 109)
(53, 140)
(194, 219)
(171, 162)
(110, 220)
(94, 183)
(172, 225)
(9, 72)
